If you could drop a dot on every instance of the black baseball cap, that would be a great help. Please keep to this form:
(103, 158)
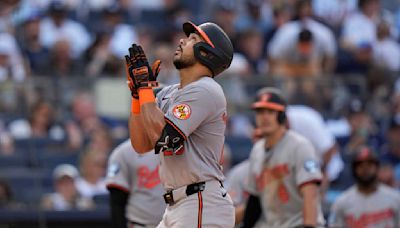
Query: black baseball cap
(270, 98)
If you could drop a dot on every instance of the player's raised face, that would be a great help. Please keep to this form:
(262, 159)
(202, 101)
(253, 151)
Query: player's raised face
(184, 54)
(267, 121)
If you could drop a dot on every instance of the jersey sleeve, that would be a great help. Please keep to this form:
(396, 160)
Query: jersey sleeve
(307, 165)
(190, 109)
(118, 172)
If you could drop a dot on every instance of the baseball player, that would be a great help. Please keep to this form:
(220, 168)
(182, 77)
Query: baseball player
(135, 188)
(366, 204)
(186, 127)
(284, 170)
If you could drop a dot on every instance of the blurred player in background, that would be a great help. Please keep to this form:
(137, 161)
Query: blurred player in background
(135, 188)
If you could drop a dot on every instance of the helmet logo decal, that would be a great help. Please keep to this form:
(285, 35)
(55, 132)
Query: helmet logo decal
(182, 111)
(265, 97)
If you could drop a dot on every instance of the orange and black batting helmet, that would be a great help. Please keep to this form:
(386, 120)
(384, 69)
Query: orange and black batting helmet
(271, 98)
(216, 52)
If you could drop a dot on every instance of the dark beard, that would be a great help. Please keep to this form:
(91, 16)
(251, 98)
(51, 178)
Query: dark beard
(367, 181)
(182, 64)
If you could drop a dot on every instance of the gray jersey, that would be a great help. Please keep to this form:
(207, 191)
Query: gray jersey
(235, 182)
(378, 210)
(276, 176)
(198, 111)
(138, 175)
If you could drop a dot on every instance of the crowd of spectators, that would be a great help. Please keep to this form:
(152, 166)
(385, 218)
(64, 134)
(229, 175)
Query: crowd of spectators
(340, 57)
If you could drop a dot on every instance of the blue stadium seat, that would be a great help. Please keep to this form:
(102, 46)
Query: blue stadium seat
(240, 146)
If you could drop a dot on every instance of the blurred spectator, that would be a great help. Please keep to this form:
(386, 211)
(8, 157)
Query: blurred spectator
(250, 41)
(57, 27)
(121, 35)
(6, 20)
(6, 197)
(358, 130)
(6, 141)
(386, 51)
(357, 37)
(37, 55)
(255, 16)
(99, 58)
(65, 196)
(310, 124)
(92, 167)
(41, 123)
(368, 203)
(302, 44)
(390, 153)
(281, 15)
(100, 140)
(225, 16)
(11, 65)
(386, 175)
(84, 119)
(361, 130)
(62, 62)
(334, 12)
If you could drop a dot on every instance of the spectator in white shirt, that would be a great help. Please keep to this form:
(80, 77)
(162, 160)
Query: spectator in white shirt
(287, 38)
(122, 35)
(11, 65)
(58, 27)
(386, 51)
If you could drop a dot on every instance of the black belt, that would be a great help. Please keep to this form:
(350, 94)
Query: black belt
(190, 190)
(137, 223)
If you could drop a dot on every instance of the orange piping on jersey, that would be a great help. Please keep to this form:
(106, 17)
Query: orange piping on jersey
(175, 127)
(199, 218)
(315, 181)
(221, 158)
(269, 105)
(119, 187)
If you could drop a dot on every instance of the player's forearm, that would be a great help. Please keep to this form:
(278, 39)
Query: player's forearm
(239, 213)
(153, 120)
(310, 211)
(138, 136)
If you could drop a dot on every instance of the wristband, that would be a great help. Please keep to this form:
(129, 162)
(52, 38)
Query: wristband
(146, 95)
(135, 106)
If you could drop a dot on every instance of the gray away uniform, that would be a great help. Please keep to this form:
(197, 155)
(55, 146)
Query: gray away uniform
(198, 113)
(380, 209)
(277, 175)
(138, 175)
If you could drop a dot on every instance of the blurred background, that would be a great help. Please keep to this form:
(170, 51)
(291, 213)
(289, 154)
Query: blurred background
(64, 102)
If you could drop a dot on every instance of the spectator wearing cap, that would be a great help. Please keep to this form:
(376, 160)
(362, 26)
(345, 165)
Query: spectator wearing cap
(302, 47)
(66, 196)
(367, 203)
(57, 27)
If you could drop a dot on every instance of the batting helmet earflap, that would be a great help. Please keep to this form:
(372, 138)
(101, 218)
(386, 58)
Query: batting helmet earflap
(216, 52)
(271, 98)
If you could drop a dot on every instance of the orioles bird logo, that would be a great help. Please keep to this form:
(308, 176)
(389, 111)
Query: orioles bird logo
(182, 111)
